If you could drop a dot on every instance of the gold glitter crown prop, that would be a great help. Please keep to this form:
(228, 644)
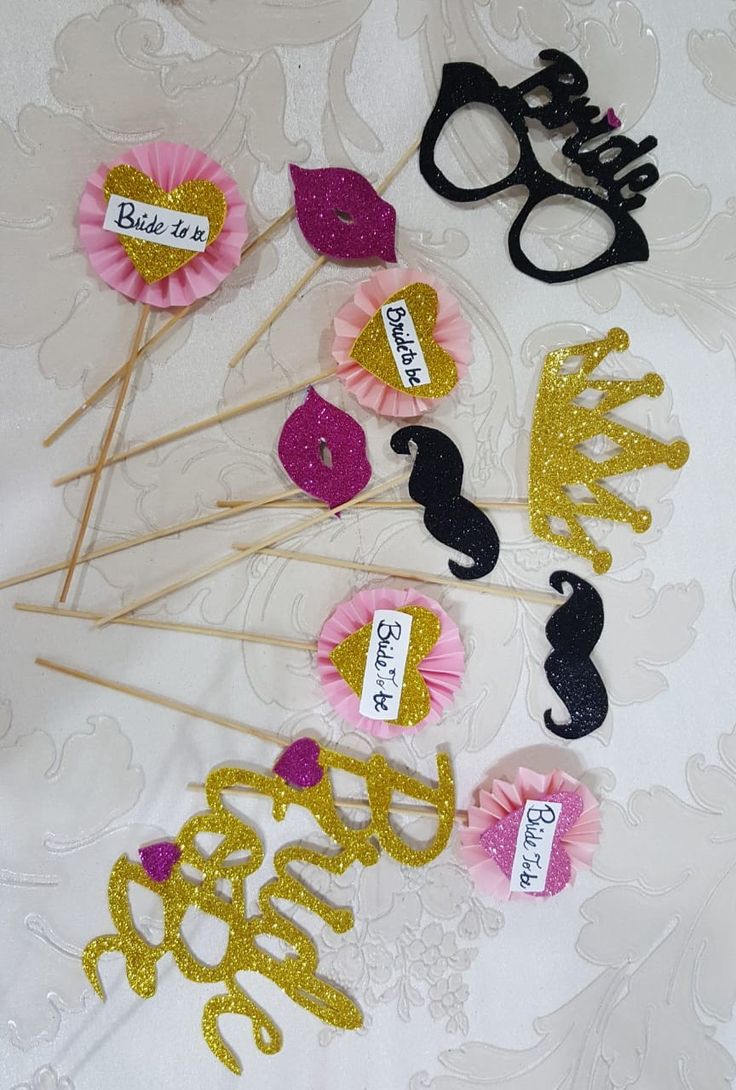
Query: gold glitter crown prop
(557, 463)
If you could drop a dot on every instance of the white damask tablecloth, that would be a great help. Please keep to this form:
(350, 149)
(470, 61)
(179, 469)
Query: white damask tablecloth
(628, 978)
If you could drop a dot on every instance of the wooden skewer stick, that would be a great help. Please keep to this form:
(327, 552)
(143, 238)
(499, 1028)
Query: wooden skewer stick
(241, 552)
(495, 589)
(207, 717)
(104, 450)
(108, 384)
(386, 505)
(313, 269)
(163, 701)
(200, 425)
(170, 626)
(353, 804)
(143, 539)
(277, 311)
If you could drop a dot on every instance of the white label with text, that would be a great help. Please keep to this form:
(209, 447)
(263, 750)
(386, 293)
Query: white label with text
(404, 344)
(149, 222)
(385, 664)
(534, 846)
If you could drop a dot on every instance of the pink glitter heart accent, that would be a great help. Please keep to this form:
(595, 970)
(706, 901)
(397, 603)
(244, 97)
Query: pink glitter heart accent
(614, 122)
(316, 422)
(299, 764)
(158, 860)
(318, 197)
(499, 841)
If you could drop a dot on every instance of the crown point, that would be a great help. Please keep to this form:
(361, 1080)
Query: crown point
(618, 339)
(601, 561)
(640, 520)
(677, 454)
(652, 384)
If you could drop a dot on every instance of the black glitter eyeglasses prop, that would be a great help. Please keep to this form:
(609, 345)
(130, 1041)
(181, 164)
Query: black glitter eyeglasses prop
(565, 84)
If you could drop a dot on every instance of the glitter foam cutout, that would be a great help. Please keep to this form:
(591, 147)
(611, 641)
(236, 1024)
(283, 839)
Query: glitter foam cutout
(219, 891)
(451, 332)
(168, 166)
(441, 670)
(315, 422)
(503, 798)
(366, 224)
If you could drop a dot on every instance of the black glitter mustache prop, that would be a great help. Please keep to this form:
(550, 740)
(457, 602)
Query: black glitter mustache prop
(573, 630)
(435, 483)
(565, 84)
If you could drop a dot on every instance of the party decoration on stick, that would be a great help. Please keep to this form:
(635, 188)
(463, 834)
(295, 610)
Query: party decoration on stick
(163, 225)
(390, 661)
(562, 84)
(401, 343)
(301, 777)
(435, 483)
(530, 837)
(314, 268)
(573, 630)
(316, 425)
(341, 215)
(556, 463)
(447, 340)
(160, 333)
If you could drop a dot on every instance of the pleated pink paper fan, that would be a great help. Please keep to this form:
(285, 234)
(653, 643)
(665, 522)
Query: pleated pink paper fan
(451, 331)
(579, 841)
(442, 669)
(168, 165)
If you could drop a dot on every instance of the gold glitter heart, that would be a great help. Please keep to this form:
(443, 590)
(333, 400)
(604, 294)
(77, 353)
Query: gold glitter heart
(198, 197)
(372, 350)
(349, 659)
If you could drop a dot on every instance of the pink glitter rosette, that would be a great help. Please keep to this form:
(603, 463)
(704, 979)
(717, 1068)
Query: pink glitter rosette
(451, 331)
(578, 840)
(442, 669)
(168, 165)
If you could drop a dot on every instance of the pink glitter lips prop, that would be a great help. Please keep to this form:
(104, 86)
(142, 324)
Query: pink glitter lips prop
(341, 215)
(314, 425)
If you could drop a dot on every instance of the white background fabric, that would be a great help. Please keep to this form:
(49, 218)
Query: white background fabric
(625, 980)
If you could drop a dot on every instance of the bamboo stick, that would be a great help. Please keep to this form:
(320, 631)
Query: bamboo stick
(244, 551)
(170, 626)
(108, 384)
(353, 804)
(495, 589)
(388, 505)
(104, 450)
(200, 425)
(162, 701)
(143, 539)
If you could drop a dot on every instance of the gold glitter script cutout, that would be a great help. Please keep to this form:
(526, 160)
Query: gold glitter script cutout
(557, 463)
(349, 659)
(198, 197)
(217, 888)
(372, 351)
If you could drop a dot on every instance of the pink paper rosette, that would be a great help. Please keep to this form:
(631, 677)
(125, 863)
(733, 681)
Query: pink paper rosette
(442, 669)
(451, 331)
(168, 165)
(579, 841)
